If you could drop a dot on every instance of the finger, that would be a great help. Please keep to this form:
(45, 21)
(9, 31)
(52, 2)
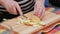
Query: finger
(39, 12)
(19, 9)
(14, 11)
(42, 13)
(35, 10)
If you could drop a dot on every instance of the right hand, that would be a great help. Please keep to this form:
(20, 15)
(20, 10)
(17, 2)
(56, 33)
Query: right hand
(11, 6)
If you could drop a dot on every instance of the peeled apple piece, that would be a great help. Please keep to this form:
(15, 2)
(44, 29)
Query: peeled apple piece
(34, 18)
(31, 20)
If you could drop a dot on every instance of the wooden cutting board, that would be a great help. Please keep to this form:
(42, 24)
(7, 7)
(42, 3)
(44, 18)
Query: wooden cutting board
(48, 19)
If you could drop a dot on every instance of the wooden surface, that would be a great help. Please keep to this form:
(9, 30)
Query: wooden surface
(49, 18)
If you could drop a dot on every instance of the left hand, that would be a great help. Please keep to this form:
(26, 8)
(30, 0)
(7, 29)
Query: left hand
(39, 8)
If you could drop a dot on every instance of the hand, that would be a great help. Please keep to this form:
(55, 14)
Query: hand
(39, 8)
(11, 6)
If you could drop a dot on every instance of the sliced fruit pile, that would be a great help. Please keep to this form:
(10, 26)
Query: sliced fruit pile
(32, 20)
